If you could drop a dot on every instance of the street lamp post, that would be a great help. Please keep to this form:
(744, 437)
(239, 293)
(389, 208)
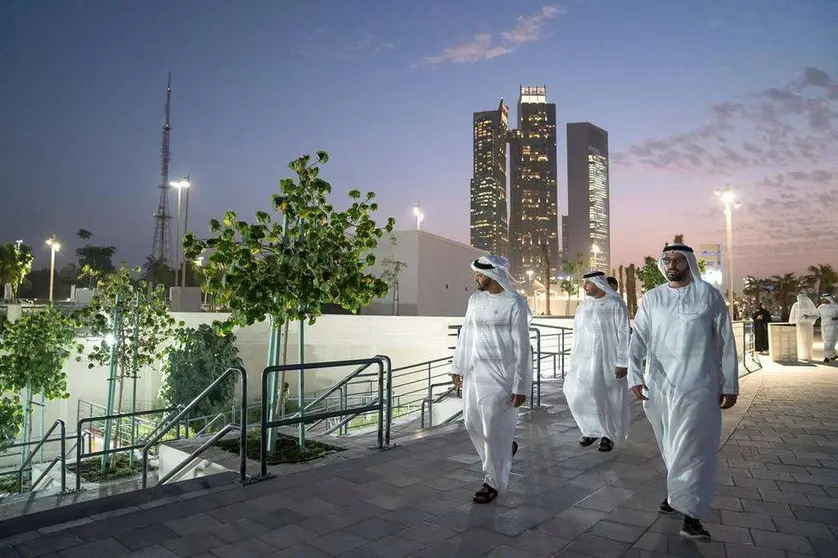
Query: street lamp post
(417, 212)
(728, 198)
(181, 185)
(54, 247)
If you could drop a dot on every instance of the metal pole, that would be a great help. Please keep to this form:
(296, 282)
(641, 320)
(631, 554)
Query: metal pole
(263, 431)
(51, 272)
(112, 382)
(178, 243)
(729, 226)
(243, 429)
(180, 240)
(301, 350)
(64, 457)
(135, 373)
(43, 418)
(269, 393)
(27, 421)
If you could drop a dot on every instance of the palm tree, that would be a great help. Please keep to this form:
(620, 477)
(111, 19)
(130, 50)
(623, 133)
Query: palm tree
(821, 278)
(755, 286)
(84, 234)
(785, 287)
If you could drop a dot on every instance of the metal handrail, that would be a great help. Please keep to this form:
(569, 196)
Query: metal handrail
(333, 389)
(195, 454)
(430, 400)
(80, 433)
(380, 405)
(192, 404)
(28, 460)
(204, 429)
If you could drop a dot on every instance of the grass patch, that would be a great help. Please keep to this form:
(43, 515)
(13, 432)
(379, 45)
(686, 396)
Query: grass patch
(287, 449)
(90, 470)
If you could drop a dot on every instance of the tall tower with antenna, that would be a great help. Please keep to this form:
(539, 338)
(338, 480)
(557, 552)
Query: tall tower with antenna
(162, 248)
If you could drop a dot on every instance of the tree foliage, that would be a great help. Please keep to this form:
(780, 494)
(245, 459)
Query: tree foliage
(15, 264)
(143, 333)
(200, 356)
(94, 261)
(290, 267)
(33, 350)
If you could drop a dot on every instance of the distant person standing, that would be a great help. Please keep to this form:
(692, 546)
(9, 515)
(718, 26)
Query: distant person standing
(803, 315)
(829, 327)
(762, 318)
(612, 282)
(493, 365)
(683, 333)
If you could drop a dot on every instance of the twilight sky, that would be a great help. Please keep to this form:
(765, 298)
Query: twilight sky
(693, 94)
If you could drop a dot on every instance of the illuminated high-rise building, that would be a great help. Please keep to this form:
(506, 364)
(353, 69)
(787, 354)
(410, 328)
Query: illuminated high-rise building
(489, 222)
(588, 196)
(533, 208)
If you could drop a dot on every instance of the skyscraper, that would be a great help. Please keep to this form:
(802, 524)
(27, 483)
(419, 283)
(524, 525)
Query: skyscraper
(489, 223)
(588, 196)
(533, 222)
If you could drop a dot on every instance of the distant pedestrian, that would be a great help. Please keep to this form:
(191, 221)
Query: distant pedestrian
(493, 365)
(683, 332)
(829, 327)
(762, 318)
(803, 315)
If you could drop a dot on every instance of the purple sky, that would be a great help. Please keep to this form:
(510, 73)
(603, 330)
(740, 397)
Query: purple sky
(693, 95)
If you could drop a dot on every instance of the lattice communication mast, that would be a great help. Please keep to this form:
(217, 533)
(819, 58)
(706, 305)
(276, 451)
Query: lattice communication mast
(162, 249)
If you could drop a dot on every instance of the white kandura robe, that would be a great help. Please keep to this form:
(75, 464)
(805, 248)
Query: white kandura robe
(599, 402)
(829, 328)
(494, 358)
(804, 321)
(686, 337)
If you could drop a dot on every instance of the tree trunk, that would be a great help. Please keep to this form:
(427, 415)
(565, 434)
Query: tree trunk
(121, 380)
(283, 393)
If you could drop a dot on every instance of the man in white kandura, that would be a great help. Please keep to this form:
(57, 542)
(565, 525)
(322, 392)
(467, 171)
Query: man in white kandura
(803, 315)
(493, 364)
(596, 389)
(829, 326)
(682, 330)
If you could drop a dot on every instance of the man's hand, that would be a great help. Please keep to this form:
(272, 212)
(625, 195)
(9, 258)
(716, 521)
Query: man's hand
(622, 372)
(728, 401)
(458, 380)
(518, 400)
(638, 392)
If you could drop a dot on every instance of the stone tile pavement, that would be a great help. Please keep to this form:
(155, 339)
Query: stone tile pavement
(777, 495)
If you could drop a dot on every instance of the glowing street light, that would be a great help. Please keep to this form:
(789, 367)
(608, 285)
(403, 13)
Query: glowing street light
(728, 198)
(417, 212)
(54, 246)
(181, 185)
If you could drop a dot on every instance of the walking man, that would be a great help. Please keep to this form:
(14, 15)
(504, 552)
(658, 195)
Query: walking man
(493, 365)
(683, 332)
(596, 389)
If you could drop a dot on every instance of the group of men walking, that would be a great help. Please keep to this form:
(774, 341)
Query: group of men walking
(679, 360)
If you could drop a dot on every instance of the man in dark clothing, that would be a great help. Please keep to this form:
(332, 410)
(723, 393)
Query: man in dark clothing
(762, 318)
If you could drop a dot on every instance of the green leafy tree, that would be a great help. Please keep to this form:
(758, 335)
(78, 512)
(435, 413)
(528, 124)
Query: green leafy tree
(650, 275)
(157, 272)
(15, 264)
(141, 335)
(756, 287)
(295, 259)
(33, 350)
(199, 356)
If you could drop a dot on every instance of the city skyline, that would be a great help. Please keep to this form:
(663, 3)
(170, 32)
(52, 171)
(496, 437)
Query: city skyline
(693, 97)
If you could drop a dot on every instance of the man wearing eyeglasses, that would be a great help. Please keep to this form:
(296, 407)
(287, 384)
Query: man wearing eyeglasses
(683, 331)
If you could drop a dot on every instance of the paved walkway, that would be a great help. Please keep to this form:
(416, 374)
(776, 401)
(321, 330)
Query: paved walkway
(777, 495)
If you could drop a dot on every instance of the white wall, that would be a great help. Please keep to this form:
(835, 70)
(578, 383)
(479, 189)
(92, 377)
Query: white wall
(437, 279)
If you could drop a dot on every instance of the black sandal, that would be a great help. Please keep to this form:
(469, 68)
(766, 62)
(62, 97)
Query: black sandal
(485, 495)
(605, 445)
